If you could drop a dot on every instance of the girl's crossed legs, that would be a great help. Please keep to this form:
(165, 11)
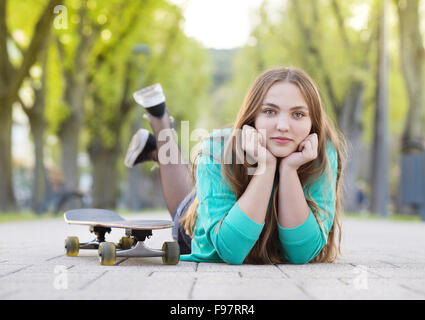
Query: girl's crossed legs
(176, 178)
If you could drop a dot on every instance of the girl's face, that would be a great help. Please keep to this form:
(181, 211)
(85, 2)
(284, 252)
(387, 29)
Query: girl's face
(284, 115)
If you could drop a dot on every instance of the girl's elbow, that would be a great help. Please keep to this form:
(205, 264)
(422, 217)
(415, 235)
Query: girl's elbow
(298, 258)
(236, 262)
(303, 255)
(232, 259)
(229, 254)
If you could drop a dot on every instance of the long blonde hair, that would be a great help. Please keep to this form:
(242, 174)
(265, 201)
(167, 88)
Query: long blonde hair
(266, 248)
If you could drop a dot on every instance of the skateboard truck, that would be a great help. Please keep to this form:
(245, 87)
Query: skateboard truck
(108, 251)
(100, 232)
(139, 249)
(101, 221)
(100, 237)
(139, 235)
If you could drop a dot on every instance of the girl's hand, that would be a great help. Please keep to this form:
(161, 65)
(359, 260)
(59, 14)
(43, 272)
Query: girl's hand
(307, 151)
(254, 144)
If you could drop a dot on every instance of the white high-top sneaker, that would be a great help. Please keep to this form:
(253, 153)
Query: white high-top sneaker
(140, 149)
(153, 100)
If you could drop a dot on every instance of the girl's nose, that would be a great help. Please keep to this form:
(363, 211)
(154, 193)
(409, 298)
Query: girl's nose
(282, 124)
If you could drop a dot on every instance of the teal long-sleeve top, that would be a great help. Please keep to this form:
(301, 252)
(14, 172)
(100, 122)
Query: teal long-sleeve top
(237, 234)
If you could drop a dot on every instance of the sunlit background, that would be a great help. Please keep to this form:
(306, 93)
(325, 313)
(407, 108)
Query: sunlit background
(72, 114)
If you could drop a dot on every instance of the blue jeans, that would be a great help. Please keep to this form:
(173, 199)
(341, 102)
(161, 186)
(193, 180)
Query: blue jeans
(178, 232)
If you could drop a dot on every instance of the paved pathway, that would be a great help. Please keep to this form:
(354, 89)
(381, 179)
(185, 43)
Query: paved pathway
(381, 260)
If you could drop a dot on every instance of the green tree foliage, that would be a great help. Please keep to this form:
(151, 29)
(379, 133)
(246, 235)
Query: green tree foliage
(336, 43)
(178, 63)
(278, 40)
(92, 72)
(18, 53)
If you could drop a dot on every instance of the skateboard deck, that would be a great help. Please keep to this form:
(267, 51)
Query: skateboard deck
(111, 219)
(101, 221)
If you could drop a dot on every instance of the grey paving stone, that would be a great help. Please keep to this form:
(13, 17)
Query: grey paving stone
(371, 289)
(195, 275)
(34, 267)
(319, 271)
(264, 274)
(7, 269)
(155, 263)
(415, 285)
(268, 289)
(38, 285)
(402, 272)
(205, 266)
(140, 286)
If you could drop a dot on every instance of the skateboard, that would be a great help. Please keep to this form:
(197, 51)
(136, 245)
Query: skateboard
(102, 221)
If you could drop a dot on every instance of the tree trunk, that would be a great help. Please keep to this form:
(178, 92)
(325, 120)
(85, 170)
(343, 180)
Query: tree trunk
(76, 89)
(134, 178)
(7, 198)
(40, 176)
(412, 55)
(350, 123)
(380, 150)
(37, 123)
(69, 134)
(104, 188)
(10, 81)
(413, 66)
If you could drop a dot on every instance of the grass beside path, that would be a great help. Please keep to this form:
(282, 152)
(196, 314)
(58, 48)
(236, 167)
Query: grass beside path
(24, 216)
(30, 215)
(391, 216)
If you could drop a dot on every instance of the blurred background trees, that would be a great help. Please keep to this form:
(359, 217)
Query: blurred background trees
(14, 70)
(67, 74)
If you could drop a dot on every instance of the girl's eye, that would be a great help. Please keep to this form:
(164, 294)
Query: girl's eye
(269, 111)
(298, 115)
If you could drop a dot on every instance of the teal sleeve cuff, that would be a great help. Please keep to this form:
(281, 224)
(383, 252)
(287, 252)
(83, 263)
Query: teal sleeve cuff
(239, 221)
(185, 257)
(300, 233)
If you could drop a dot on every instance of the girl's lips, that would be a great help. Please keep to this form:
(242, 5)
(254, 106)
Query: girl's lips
(281, 140)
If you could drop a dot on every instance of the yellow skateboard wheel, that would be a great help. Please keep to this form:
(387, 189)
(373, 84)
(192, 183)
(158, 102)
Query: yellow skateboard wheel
(72, 246)
(107, 253)
(125, 243)
(171, 253)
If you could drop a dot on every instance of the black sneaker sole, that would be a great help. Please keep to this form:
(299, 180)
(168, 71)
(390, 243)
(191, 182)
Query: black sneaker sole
(141, 140)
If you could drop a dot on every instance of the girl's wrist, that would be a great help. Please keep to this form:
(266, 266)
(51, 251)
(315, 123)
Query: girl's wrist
(285, 169)
(268, 165)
